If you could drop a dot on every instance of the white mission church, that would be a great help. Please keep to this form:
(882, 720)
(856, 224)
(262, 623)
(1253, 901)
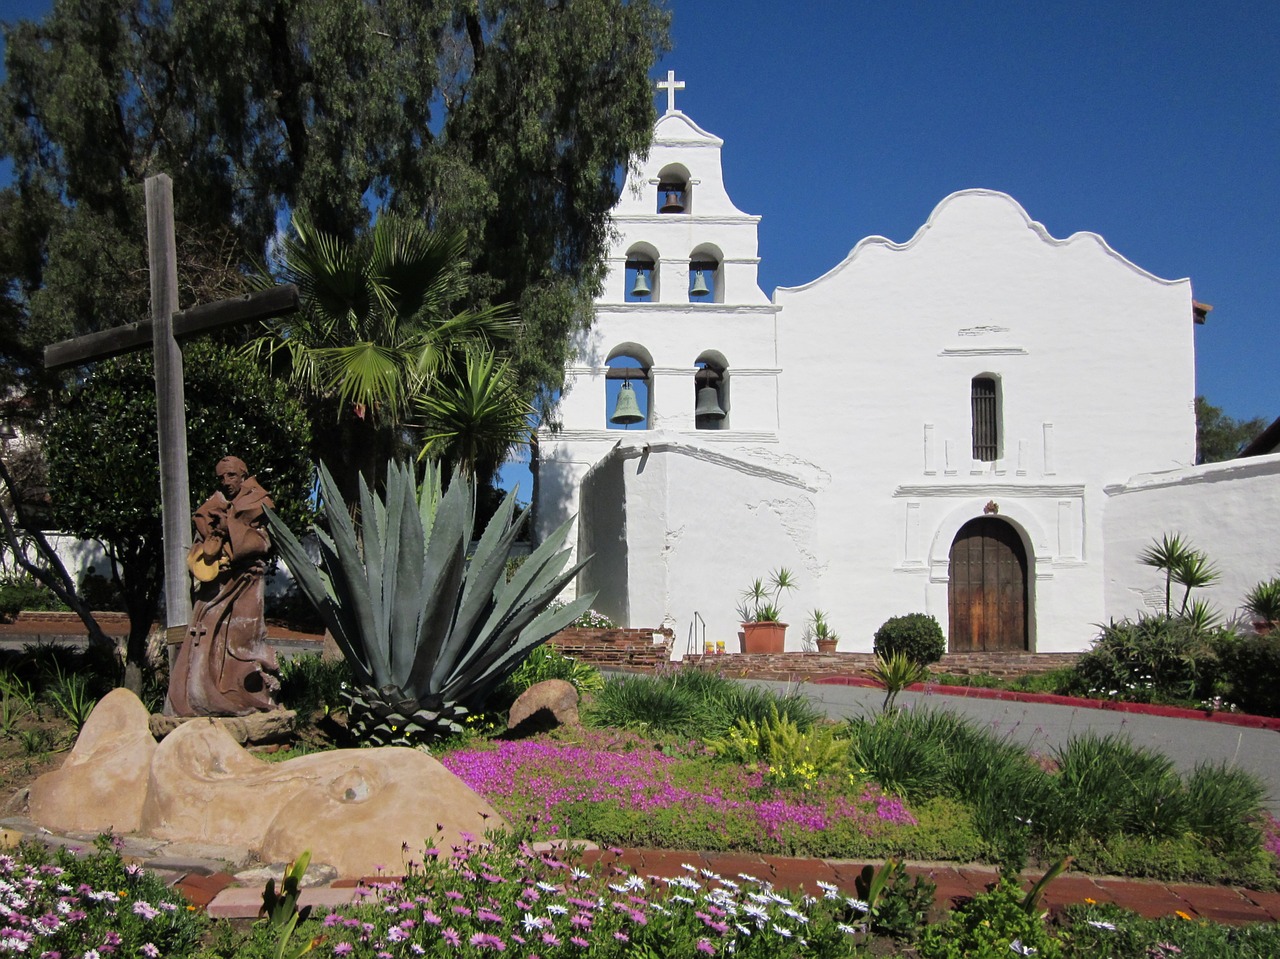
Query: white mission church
(1015, 424)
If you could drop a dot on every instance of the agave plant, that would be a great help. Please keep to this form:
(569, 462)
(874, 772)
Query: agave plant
(427, 632)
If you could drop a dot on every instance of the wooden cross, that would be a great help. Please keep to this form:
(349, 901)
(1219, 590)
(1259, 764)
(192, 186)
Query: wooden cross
(671, 85)
(162, 332)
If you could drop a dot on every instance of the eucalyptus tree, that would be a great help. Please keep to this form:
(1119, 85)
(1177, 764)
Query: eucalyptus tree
(505, 119)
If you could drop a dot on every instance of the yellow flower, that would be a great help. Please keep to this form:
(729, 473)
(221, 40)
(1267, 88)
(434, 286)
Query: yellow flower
(1180, 914)
(1092, 902)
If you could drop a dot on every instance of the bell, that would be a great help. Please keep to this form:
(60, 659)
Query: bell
(641, 287)
(627, 410)
(708, 404)
(699, 285)
(672, 202)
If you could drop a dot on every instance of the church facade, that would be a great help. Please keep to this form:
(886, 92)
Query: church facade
(939, 426)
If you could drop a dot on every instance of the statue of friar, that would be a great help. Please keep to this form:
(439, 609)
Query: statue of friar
(224, 666)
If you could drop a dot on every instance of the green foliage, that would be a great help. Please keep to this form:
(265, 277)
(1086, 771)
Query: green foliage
(789, 756)
(1104, 929)
(427, 634)
(106, 434)
(1263, 600)
(547, 662)
(991, 925)
(505, 121)
(896, 672)
(1220, 437)
(1181, 563)
(70, 694)
(1250, 668)
(281, 913)
(23, 592)
(896, 904)
(916, 635)
(692, 702)
(762, 598)
(309, 683)
(1153, 658)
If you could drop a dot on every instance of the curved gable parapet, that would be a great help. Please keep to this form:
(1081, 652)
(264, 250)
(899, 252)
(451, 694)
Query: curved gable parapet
(996, 206)
(678, 129)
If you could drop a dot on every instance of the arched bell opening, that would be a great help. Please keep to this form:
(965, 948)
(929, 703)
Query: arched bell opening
(674, 195)
(642, 281)
(705, 275)
(711, 392)
(627, 393)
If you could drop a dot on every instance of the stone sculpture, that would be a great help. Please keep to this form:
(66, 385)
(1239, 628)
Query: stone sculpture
(362, 811)
(224, 666)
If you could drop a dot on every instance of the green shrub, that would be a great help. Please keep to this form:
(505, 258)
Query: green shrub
(1251, 672)
(992, 924)
(1153, 658)
(691, 702)
(99, 593)
(1104, 929)
(547, 662)
(789, 756)
(309, 682)
(916, 635)
(18, 593)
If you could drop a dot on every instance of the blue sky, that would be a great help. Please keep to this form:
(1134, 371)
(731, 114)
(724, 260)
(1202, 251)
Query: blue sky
(1154, 125)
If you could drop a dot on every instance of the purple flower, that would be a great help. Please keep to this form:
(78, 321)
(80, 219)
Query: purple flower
(450, 935)
(483, 940)
(343, 949)
(579, 942)
(704, 945)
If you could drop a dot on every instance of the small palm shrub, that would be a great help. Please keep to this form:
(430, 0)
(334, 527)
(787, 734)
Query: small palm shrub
(1263, 601)
(1250, 668)
(916, 635)
(896, 673)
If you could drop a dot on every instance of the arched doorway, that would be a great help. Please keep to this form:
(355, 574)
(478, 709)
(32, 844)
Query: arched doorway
(987, 589)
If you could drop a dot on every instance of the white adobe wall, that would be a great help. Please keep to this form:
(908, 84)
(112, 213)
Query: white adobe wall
(1228, 510)
(1095, 361)
(698, 524)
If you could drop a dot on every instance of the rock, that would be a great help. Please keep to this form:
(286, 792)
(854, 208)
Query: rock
(101, 786)
(544, 705)
(253, 730)
(353, 808)
(318, 874)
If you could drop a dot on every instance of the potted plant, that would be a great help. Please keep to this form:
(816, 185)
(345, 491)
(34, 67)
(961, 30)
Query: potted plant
(821, 632)
(762, 628)
(1263, 601)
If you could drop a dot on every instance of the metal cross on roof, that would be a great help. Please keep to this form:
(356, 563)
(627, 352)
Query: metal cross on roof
(671, 85)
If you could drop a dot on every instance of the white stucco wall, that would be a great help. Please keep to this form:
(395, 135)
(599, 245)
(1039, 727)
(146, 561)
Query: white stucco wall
(1229, 510)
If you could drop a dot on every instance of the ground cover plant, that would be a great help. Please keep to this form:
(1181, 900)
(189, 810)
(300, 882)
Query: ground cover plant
(58, 904)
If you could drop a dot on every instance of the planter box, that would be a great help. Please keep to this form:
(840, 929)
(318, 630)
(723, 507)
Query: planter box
(764, 637)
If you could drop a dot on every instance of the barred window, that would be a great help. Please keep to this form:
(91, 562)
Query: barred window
(986, 419)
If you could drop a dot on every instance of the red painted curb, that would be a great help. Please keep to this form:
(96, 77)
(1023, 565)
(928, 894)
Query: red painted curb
(1145, 709)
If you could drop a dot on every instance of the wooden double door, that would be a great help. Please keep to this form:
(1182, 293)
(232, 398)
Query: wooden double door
(987, 593)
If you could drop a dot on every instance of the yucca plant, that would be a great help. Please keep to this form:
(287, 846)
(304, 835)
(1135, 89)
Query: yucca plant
(428, 633)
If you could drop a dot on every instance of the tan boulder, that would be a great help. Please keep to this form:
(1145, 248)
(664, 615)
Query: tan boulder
(102, 783)
(353, 808)
(544, 705)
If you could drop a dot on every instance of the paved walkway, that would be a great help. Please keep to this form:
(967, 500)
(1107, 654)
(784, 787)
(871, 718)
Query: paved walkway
(1188, 742)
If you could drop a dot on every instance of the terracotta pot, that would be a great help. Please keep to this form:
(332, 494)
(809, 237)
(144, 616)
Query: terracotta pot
(764, 637)
(827, 645)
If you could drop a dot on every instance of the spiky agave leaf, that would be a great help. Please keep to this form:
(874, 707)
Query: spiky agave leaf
(430, 633)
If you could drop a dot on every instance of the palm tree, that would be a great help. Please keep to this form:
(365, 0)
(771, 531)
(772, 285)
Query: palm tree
(475, 414)
(378, 325)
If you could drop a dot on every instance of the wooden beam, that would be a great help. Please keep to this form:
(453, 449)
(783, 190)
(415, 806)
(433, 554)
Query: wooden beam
(171, 414)
(263, 305)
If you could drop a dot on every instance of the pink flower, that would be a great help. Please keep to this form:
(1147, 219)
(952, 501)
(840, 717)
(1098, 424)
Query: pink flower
(343, 949)
(482, 940)
(704, 945)
(450, 935)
